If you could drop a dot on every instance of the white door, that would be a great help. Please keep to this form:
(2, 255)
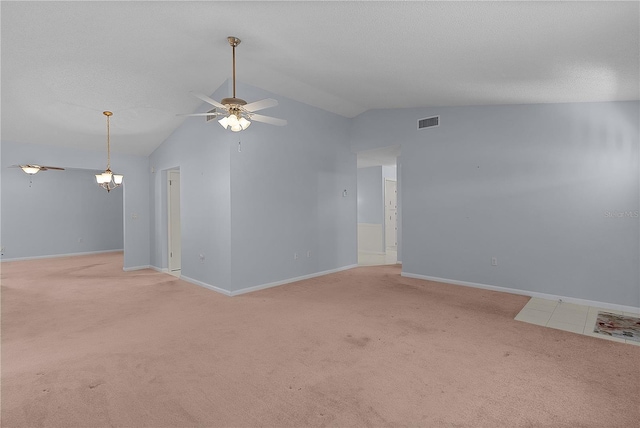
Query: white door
(175, 249)
(391, 214)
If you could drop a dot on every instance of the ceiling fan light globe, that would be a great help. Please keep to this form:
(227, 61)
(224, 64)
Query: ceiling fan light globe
(224, 122)
(117, 178)
(244, 123)
(233, 120)
(236, 128)
(31, 170)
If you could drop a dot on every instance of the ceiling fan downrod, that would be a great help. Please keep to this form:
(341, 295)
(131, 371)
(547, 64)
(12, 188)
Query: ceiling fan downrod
(234, 41)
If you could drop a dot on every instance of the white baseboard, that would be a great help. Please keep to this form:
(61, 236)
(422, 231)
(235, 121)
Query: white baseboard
(546, 296)
(55, 256)
(290, 280)
(131, 268)
(205, 285)
(263, 286)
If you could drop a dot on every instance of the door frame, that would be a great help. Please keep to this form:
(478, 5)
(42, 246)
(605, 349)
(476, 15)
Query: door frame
(169, 228)
(386, 244)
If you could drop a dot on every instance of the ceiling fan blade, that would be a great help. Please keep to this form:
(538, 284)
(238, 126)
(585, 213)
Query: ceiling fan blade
(202, 114)
(26, 166)
(268, 119)
(209, 100)
(44, 168)
(259, 105)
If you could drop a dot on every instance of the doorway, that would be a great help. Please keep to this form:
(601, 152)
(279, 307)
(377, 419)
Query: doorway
(378, 206)
(173, 221)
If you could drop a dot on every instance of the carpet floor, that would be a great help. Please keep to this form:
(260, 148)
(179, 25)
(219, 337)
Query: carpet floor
(85, 344)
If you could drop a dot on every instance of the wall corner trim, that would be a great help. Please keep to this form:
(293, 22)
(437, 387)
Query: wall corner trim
(567, 299)
(205, 285)
(290, 280)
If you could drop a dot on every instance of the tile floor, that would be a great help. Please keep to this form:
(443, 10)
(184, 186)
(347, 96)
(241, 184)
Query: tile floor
(390, 257)
(568, 316)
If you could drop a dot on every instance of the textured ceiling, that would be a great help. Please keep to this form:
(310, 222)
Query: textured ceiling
(63, 63)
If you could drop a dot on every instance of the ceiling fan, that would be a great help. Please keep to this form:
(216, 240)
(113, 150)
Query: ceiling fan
(34, 169)
(237, 113)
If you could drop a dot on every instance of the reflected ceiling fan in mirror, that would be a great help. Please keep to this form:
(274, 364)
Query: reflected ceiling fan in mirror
(237, 114)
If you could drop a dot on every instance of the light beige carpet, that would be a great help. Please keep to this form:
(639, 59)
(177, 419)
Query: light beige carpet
(85, 344)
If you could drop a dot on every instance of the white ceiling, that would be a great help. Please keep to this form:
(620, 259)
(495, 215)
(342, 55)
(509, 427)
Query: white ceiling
(63, 63)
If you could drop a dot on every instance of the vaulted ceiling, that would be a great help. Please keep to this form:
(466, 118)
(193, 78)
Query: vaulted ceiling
(63, 63)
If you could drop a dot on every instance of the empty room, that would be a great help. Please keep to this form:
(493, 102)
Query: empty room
(301, 214)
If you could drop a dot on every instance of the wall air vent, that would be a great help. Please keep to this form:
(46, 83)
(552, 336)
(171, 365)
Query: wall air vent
(213, 116)
(429, 122)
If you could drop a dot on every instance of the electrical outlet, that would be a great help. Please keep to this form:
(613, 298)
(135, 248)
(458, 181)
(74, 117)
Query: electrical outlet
(295, 256)
(494, 261)
(308, 254)
(79, 240)
(201, 258)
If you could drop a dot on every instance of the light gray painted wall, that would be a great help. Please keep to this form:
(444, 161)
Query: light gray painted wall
(131, 199)
(249, 211)
(287, 188)
(530, 185)
(201, 150)
(370, 195)
(61, 212)
(390, 172)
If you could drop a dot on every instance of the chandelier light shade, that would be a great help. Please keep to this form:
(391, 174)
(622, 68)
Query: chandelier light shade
(108, 180)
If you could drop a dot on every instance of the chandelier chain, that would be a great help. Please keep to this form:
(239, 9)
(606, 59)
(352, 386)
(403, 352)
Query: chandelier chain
(108, 145)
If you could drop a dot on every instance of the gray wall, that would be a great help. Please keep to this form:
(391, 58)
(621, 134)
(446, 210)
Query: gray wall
(249, 211)
(62, 236)
(370, 195)
(537, 186)
(201, 150)
(540, 187)
(390, 172)
(60, 212)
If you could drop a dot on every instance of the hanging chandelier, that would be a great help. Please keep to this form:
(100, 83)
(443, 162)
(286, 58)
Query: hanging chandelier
(108, 180)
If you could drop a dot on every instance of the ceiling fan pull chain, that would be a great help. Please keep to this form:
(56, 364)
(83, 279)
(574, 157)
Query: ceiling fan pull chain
(239, 147)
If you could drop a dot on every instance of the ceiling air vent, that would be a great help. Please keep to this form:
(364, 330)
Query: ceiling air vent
(429, 122)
